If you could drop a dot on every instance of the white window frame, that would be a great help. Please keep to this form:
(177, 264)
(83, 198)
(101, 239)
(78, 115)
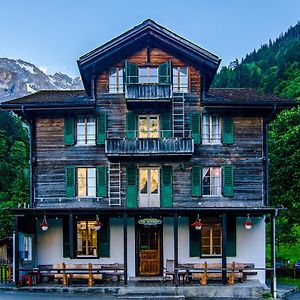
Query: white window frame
(88, 185)
(88, 139)
(148, 76)
(208, 136)
(148, 124)
(211, 186)
(27, 246)
(177, 86)
(115, 80)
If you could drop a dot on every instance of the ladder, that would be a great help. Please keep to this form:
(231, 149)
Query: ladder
(114, 184)
(178, 115)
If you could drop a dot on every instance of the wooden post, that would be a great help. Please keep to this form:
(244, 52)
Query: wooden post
(65, 276)
(224, 242)
(16, 252)
(231, 275)
(203, 278)
(91, 279)
(71, 235)
(273, 256)
(176, 249)
(125, 249)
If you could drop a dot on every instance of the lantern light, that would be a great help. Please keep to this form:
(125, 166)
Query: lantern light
(44, 224)
(248, 223)
(197, 224)
(98, 223)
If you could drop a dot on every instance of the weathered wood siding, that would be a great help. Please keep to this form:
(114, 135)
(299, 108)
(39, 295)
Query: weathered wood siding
(157, 57)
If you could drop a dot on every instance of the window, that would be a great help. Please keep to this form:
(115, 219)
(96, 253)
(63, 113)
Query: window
(86, 182)
(86, 131)
(211, 239)
(27, 247)
(116, 80)
(148, 75)
(211, 129)
(86, 238)
(148, 126)
(180, 79)
(211, 181)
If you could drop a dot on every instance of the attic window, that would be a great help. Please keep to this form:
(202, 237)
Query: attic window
(148, 75)
(116, 80)
(180, 79)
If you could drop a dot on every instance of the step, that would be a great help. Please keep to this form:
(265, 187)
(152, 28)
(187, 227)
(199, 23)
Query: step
(150, 296)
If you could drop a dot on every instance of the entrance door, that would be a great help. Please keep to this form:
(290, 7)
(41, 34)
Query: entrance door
(149, 195)
(149, 250)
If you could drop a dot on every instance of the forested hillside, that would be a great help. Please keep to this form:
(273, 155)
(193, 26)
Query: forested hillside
(275, 68)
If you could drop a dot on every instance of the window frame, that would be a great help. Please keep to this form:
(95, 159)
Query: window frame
(178, 88)
(211, 140)
(27, 242)
(83, 256)
(148, 75)
(85, 126)
(211, 225)
(86, 182)
(148, 132)
(211, 181)
(119, 82)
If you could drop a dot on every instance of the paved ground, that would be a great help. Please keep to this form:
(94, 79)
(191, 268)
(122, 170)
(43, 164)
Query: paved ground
(294, 296)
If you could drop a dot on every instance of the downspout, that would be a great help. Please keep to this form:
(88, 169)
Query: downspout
(273, 255)
(267, 120)
(30, 156)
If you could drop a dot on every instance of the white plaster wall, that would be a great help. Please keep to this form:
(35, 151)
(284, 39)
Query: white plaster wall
(168, 240)
(131, 247)
(50, 244)
(250, 245)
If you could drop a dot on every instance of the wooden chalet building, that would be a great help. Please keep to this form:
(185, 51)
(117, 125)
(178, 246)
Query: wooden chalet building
(148, 149)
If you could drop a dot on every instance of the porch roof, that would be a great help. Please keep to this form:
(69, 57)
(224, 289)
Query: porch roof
(130, 212)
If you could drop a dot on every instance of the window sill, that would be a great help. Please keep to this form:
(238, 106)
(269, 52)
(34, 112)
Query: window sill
(85, 145)
(212, 196)
(86, 256)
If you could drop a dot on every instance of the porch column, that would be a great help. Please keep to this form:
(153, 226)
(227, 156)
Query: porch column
(125, 249)
(224, 242)
(16, 252)
(273, 256)
(71, 235)
(176, 249)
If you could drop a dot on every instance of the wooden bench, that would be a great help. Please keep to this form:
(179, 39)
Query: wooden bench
(205, 271)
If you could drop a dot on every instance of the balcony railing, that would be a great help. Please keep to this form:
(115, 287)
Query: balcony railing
(148, 91)
(161, 146)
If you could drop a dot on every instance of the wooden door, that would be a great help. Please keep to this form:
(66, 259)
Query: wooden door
(149, 244)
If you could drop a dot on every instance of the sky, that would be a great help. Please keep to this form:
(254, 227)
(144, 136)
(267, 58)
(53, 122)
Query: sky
(53, 34)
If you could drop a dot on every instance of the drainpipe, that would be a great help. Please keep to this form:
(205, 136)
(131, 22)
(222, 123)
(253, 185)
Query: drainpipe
(273, 254)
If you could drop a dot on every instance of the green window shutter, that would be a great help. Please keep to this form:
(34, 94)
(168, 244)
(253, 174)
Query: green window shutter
(195, 120)
(101, 128)
(196, 181)
(166, 125)
(131, 186)
(164, 73)
(195, 240)
(66, 237)
(101, 181)
(131, 73)
(103, 236)
(69, 131)
(231, 236)
(166, 186)
(131, 125)
(227, 130)
(227, 182)
(70, 178)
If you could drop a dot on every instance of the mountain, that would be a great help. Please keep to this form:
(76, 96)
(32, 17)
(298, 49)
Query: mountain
(273, 68)
(19, 78)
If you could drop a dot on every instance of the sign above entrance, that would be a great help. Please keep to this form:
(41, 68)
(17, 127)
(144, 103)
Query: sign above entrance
(150, 222)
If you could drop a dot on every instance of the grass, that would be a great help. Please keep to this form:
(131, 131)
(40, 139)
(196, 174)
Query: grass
(289, 281)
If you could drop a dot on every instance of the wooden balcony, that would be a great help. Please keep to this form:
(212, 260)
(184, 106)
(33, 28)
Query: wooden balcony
(148, 93)
(118, 147)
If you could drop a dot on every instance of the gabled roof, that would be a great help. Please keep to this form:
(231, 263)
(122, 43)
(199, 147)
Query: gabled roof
(143, 35)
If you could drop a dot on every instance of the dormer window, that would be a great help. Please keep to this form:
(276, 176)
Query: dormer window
(116, 80)
(180, 79)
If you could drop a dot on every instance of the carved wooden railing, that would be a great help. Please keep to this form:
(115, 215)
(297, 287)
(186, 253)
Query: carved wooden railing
(149, 147)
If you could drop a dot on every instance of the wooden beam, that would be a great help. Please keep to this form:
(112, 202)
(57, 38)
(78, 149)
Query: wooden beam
(125, 249)
(71, 235)
(176, 249)
(224, 242)
(16, 252)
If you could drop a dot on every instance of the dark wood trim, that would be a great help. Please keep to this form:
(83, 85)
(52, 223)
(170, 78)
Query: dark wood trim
(224, 250)
(16, 251)
(125, 249)
(71, 235)
(176, 249)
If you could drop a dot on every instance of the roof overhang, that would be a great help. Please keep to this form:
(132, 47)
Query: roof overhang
(147, 34)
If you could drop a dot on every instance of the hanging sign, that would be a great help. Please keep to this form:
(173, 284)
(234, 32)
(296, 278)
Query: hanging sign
(150, 222)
